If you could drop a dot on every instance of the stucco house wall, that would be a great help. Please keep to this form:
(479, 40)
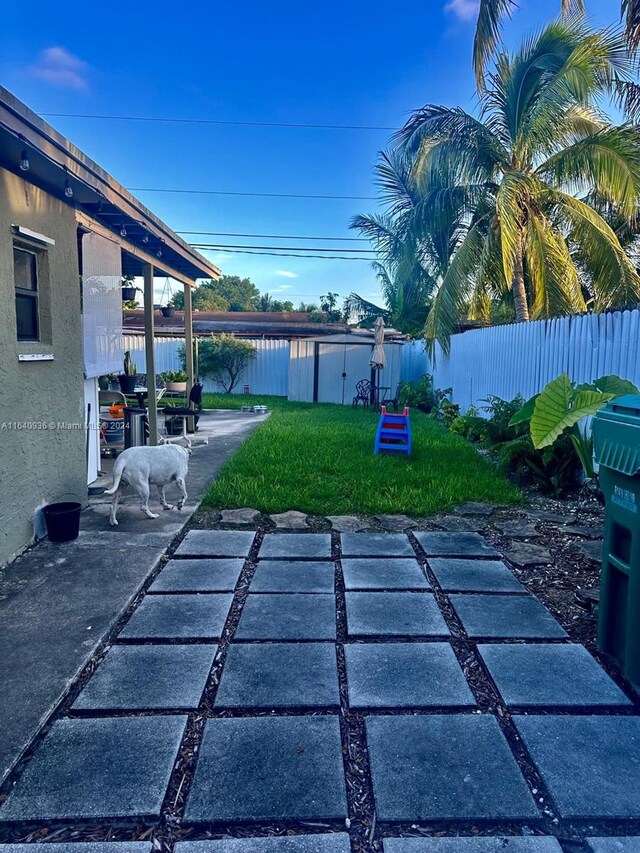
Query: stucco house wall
(39, 465)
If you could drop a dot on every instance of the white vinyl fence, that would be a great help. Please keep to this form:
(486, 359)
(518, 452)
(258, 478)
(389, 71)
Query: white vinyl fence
(268, 373)
(521, 358)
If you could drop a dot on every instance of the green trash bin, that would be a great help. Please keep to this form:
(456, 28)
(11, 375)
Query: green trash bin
(616, 433)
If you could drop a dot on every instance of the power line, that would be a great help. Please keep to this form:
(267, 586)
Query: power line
(273, 236)
(169, 120)
(282, 254)
(279, 248)
(252, 195)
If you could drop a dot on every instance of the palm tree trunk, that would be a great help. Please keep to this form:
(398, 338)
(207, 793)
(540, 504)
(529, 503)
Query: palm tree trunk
(518, 288)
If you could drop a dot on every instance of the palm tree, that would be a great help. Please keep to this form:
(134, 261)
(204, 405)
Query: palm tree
(491, 14)
(523, 171)
(412, 254)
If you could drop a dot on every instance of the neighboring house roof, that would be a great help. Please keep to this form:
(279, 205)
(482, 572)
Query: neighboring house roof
(55, 163)
(248, 324)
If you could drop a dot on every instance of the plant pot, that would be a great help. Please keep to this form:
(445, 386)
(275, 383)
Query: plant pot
(176, 386)
(128, 293)
(103, 383)
(168, 311)
(127, 383)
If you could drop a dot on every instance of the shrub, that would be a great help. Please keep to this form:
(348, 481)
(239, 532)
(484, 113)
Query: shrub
(223, 358)
(422, 395)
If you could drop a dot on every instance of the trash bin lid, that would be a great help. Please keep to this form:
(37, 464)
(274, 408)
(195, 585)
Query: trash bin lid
(616, 435)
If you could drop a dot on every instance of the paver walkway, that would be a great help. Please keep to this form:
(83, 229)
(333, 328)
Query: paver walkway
(303, 693)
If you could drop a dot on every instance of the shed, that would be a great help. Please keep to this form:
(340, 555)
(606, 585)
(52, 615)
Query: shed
(326, 369)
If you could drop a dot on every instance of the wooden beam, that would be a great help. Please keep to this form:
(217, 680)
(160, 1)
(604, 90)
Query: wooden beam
(188, 347)
(152, 397)
(97, 228)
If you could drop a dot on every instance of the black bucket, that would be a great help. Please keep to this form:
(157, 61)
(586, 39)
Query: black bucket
(63, 521)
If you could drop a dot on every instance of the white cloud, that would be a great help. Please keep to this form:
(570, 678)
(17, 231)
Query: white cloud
(464, 10)
(286, 274)
(281, 288)
(58, 66)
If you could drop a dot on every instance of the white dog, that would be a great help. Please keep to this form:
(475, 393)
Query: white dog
(141, 466)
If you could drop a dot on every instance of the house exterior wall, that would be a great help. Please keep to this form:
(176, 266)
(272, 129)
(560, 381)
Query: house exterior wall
(39, 465)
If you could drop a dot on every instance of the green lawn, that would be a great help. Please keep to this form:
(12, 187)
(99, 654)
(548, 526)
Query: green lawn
(319, 459)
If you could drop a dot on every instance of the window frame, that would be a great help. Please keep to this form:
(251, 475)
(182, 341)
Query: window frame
(32, 294)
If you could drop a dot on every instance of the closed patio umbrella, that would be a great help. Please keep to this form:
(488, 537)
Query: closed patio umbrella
(378, 360)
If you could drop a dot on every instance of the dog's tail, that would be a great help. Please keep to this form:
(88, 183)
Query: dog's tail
(117, 475)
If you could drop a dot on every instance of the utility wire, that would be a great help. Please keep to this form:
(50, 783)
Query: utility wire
(166, 119)
(273, 236)
(280, 248)
(282, 254)
(252, 195)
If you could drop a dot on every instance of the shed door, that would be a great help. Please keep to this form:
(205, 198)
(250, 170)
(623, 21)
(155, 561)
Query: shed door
(334, 360)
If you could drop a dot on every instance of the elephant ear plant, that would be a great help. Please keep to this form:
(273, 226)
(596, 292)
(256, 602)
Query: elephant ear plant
(562, 405)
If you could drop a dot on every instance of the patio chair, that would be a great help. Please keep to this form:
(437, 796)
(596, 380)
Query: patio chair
(394, 401)
(363, 393)
(108, 398)
(185, 412)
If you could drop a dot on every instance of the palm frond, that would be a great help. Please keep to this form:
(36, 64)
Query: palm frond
(454, 292)
(615, 280)
(552, 275)
(489, 24)
(631, 13)
(607, 162)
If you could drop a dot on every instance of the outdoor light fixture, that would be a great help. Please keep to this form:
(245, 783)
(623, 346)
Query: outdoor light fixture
(123, 230)
(159, 252)
(24, 160)
(145, 239)
(68, 189)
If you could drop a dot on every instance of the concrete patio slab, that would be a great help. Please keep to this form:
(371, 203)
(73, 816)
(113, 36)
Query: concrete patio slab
(216, 543)
(474, 844)
(279, 675)
(436, 544)
(394, 614)
(103, 768)
(284, 616)
(148, 677)
(590, 764)
(171, 617)
(457, 575)
(619, 844)
(472, 774)
(506, 616)
(293, 576)
(296, 546)
(383, 573)
(538, 675)
(198, 576)
(405, 675)
(375, 545)
(283, 768)
(336, 842)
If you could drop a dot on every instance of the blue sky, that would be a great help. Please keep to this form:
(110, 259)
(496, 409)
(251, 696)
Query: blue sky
(364, 63)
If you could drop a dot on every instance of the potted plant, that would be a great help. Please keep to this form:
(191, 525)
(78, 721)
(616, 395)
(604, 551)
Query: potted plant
(168, 310)
(128, 377)
(128, 288)
(175, 380)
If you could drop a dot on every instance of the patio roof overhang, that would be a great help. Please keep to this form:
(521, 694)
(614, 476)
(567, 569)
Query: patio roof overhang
(100, 201)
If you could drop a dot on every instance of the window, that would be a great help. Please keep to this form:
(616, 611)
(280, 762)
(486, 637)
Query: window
(25, 276)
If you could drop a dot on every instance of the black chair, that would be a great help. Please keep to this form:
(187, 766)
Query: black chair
(394, 401)
(363, 393)
(192, 410)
